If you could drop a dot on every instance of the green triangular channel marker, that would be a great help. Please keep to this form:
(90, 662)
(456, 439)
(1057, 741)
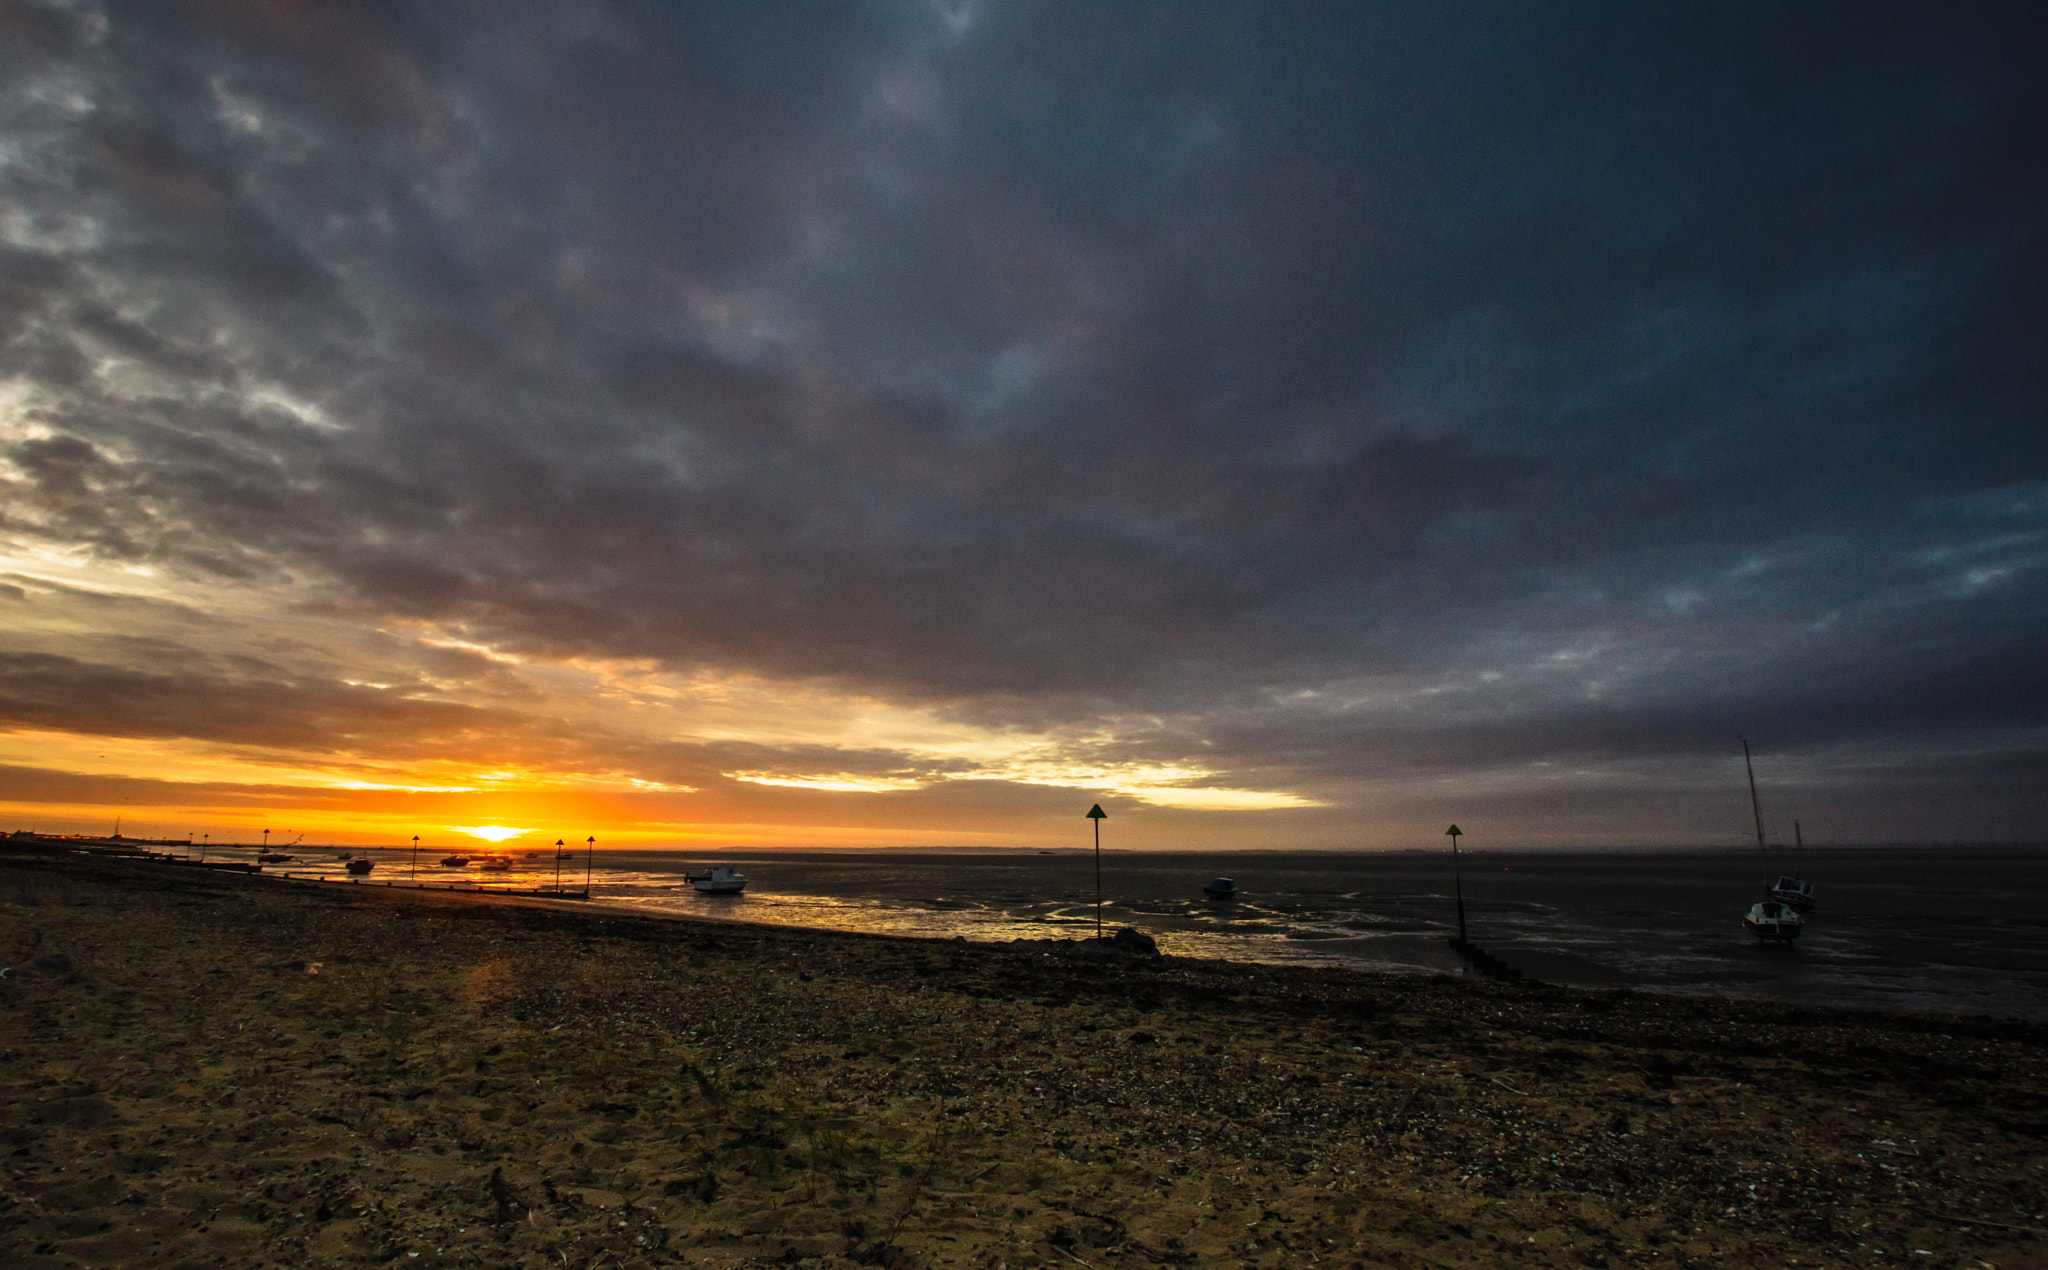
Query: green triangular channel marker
(1096, 813)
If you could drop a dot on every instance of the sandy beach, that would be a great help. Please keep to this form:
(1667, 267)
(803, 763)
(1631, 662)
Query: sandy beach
(226, 1069)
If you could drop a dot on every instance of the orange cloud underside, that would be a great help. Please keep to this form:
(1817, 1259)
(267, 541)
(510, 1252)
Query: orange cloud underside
(174, 791)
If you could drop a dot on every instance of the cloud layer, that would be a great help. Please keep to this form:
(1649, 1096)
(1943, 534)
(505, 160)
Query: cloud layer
(1351, 413)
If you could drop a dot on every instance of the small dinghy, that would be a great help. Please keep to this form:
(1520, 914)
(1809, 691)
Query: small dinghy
(495, 864)
(359, 868)
(1221, 889)
(720, 881)
(273, 857)
(1773, 922)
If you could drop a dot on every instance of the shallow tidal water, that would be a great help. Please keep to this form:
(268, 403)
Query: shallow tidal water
(1962, 929)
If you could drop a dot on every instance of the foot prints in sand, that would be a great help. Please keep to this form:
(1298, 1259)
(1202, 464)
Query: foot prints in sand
(235, 1071)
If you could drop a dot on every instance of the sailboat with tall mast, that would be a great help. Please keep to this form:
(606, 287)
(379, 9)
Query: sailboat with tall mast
(1772, 920)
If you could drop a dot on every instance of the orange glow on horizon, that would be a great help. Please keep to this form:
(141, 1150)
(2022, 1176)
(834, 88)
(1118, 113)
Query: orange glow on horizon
(371, 829)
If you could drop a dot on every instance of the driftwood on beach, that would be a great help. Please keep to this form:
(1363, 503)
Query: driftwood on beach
(229, 1069)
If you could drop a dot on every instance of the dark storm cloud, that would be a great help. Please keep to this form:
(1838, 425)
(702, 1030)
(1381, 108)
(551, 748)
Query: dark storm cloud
(1504, 382)
(59, 693)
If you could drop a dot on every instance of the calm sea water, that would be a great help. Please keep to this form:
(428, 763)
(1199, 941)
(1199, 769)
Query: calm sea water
(1948, 929)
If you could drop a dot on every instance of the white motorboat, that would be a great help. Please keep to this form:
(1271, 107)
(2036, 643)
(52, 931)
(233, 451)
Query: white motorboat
(720, 881)
(1774, 922)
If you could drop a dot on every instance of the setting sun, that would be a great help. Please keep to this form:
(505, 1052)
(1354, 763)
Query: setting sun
(489, 833)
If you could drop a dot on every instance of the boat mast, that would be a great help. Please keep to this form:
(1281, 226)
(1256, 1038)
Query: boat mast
(1756, 812)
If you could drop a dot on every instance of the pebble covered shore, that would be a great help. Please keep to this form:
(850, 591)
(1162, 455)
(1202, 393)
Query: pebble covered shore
(234, 1070)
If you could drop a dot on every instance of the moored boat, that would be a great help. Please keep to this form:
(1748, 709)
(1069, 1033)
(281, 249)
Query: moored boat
(273, 857)
(495, 864)
(720, 881)
(1773, 922)
(1777, 918)
(454, 861)
(360, 867)
(1221, 889)
(1794, 893)
(1790, 890)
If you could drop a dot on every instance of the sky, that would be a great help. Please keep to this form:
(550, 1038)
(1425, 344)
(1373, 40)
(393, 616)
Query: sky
(912, 423)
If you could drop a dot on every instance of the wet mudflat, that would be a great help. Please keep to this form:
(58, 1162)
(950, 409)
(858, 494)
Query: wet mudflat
(239, 1071)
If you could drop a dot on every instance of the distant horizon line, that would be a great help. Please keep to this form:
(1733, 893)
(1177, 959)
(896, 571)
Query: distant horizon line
(985, 849)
